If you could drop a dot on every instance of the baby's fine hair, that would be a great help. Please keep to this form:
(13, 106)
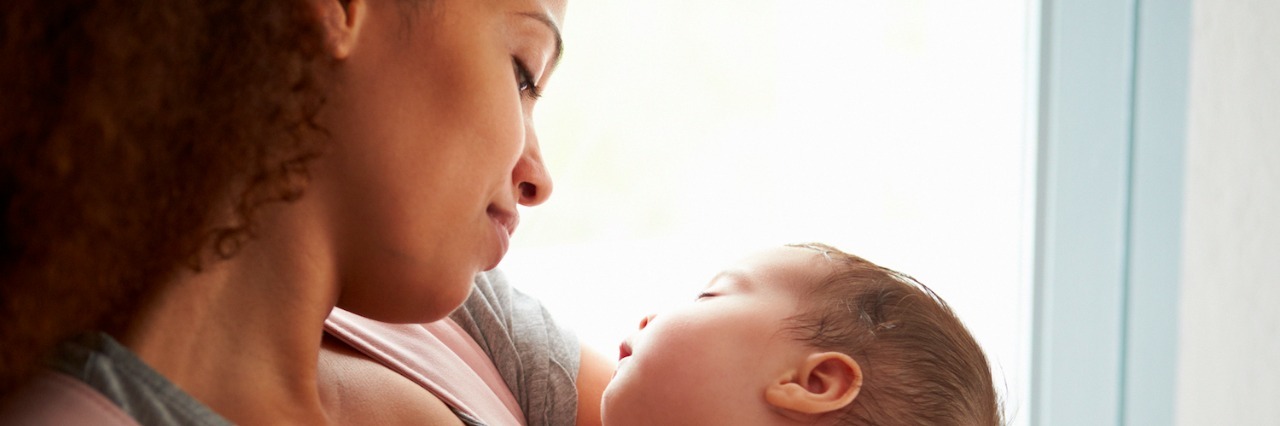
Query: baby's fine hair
(919, 363)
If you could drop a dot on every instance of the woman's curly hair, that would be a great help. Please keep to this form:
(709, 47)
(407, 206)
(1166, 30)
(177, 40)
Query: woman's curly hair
(140, 137)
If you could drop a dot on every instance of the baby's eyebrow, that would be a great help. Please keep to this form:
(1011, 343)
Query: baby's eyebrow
(731, 278)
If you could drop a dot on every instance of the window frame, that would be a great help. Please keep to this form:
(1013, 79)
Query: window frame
(1111, 120)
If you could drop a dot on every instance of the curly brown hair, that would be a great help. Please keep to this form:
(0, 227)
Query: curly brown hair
(919, 362)
(140, 137)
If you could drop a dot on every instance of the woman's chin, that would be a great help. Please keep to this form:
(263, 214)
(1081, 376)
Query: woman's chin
(418, 304)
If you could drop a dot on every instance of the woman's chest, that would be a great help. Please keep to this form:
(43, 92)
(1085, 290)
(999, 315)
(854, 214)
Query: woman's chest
(357, 390)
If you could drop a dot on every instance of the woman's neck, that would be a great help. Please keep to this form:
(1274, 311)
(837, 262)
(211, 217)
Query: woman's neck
(243, 335)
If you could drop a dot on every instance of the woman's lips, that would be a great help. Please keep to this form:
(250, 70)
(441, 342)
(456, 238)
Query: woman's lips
(504, 224)
(505, 218)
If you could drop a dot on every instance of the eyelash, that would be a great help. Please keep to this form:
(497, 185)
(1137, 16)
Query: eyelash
(704, 295)
(524, 79)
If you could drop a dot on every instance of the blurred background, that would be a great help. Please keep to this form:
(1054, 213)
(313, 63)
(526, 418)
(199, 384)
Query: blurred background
(1028, 160)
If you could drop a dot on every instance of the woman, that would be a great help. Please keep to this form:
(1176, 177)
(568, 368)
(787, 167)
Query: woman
(141, 186)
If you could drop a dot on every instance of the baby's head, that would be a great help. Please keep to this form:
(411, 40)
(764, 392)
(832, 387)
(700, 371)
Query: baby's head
(804, 334)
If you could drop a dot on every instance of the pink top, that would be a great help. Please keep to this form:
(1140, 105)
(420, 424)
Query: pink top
(438, 356)
(441, 357)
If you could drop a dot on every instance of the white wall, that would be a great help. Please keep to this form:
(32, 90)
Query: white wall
(1229, 354)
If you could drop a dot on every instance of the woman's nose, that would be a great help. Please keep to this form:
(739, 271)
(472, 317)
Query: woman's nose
(644, 322)
(530, 176)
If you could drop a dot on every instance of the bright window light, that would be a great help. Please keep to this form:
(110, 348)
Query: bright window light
(682, 135)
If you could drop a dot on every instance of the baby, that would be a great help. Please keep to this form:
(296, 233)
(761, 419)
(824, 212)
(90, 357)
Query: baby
(804, 334)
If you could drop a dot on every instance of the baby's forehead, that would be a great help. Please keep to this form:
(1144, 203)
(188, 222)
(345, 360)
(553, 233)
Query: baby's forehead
(793, 269)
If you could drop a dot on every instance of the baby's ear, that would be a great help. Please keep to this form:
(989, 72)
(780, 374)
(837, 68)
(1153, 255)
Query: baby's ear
(824, 382)
(342, 23)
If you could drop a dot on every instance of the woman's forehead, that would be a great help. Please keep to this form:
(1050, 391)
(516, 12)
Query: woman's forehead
(554, 10)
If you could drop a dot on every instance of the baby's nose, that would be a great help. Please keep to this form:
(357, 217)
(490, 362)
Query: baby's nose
(644, 322)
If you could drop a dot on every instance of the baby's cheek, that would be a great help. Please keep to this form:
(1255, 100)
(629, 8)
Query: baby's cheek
(660, 354)
(691, 358)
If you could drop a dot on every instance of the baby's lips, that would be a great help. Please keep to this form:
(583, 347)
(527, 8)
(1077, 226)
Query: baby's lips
(624, 350)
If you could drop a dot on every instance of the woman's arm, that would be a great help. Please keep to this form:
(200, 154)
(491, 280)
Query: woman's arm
(594, 372)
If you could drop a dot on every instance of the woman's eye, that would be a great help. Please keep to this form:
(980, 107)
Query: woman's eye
(524, 79)
(704, 295)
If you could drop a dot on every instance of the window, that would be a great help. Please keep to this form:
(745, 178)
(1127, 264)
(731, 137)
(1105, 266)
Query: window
(681, 135)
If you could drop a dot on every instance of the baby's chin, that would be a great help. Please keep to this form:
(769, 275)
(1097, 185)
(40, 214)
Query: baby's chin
(636, 403)
(621, 403)
(611, 407)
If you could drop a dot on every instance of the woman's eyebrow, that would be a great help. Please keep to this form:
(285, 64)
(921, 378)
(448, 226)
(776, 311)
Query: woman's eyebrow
(555, 29)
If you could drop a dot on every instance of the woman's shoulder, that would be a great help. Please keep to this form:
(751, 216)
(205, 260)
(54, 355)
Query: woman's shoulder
(94, 377)
(53, 398)
(538, 359)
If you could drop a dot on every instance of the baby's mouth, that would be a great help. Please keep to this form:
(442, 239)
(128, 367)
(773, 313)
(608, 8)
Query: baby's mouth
(624, 351)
